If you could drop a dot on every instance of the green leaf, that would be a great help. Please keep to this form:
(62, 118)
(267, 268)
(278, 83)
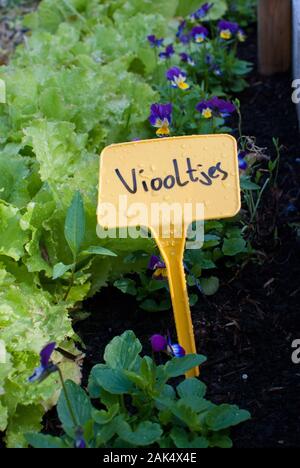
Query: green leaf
(234, 246)
(60, 269)
(146, 433)
(187, 415)
(112, 380)
(123, 351)
(220, 441)
(135, 378)
(80, 404)
(150, 305)
(75, 224)
(179, 366)
(247, 184)
(241, 67)
(104, 433)
(104, 417)
(197, 404)
(14, 177)
(199, 443)
(193, 299)
(58, 149)
(210, 241)
(210, 285)
(12, 237)
(97, 250)
(200, 259)
(190, 388)
(44, 441)
(26, 419)
(155, 285)
(148, 370)
(126, 285)
(225, 416)
(181, 439)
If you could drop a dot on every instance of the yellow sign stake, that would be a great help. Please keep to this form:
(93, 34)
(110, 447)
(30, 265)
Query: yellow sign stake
(172, 251)
(169, 183)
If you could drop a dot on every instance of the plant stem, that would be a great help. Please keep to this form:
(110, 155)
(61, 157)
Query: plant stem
(259, 199)
(122, 403)
(69, 405)
(278, 153)
(71, 281)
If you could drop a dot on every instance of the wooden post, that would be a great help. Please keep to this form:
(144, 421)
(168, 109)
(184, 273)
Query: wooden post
(274, 36)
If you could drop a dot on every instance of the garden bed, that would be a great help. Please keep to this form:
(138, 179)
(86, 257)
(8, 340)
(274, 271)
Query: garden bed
(247, 328)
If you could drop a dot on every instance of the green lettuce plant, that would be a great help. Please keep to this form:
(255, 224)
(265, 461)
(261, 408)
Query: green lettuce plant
(130, 403)
(62, 107)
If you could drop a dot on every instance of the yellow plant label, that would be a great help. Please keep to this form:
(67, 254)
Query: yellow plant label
(165, 185)
(183, 170)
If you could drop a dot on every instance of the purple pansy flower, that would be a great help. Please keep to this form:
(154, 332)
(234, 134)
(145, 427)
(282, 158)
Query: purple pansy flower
(199, 34)
(202, 11)
(181, 28)
(177, 78)
(175, 350)
(46, 365)
(227, 29)
(215, 107)
(158, 343)
(158, 267)
(154, 41)
(206, 109)
(243, 165)
(155, 262)
(225, 108)
(185, 39)
(161, 118)
(241, 35)
(168, 52)
(186, 58)
(80, 442)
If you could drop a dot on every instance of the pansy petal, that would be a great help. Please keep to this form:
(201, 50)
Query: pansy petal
(45, 354)
(202, 11)
(158, 343)
(37, 375)
(199, 33)
(80, 442)
(161, 115)
(224, 25)
(177, 350)
(155, 262)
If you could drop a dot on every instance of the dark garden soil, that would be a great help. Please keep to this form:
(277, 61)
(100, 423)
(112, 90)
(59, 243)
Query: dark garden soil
(12, 31)
(247, 328)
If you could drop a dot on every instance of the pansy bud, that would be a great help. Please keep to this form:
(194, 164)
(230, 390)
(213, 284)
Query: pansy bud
(158, 343)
